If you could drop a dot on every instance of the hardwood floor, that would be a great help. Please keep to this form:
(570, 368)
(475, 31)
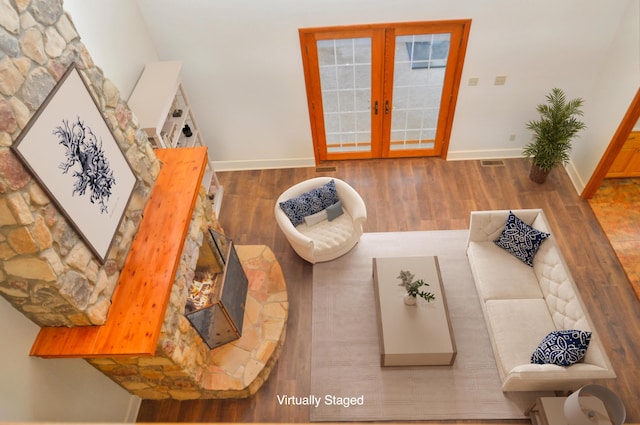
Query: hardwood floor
(417, 194)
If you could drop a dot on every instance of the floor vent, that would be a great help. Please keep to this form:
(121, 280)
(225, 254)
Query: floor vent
(492, 163)
(325, 169)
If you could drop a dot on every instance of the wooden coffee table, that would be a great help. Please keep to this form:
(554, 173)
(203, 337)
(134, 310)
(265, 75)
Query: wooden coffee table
(415, 335)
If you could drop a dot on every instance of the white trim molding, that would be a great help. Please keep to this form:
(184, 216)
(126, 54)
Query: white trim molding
(263, 164)
(484, 154)
(575, 177)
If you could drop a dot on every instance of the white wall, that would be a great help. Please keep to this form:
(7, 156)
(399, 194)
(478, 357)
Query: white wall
(116, 37)
(610, 96)
(53, 390)
(243, 67)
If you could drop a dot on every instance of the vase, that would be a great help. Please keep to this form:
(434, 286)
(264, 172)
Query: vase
(537, 174)
(409, 299)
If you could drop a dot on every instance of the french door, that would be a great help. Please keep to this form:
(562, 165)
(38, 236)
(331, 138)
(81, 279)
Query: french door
(380, 91)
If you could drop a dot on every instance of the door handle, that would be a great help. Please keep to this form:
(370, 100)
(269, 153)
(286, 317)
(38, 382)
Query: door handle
(375, 107)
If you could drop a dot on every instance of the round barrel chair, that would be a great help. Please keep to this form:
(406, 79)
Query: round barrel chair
(316, 230)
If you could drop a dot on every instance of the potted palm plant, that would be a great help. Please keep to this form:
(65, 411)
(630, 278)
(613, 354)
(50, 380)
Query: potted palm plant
(553, 132)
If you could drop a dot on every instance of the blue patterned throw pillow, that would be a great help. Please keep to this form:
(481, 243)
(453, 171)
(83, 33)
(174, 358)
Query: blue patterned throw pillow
(562, 348)
(310, 202)
(520, 239)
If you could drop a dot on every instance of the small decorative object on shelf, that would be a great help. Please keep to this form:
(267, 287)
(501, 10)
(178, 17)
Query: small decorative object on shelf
(187, 130)
(177, 113)
(413, 288)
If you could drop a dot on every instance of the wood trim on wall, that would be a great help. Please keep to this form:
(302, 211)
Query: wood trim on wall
(618, 140)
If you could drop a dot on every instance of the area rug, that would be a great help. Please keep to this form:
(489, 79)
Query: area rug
(347, 381)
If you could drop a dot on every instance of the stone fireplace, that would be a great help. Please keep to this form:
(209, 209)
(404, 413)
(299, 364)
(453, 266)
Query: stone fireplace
(122, 318)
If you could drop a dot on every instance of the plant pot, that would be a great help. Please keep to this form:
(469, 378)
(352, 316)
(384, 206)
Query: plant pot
(409, 299)
(537, 174)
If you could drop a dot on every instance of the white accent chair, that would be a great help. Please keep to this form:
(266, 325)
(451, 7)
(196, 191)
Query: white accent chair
(326, 240)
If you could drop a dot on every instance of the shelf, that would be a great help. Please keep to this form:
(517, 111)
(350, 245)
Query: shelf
(143, 289)
(157, 94)
(159, 81)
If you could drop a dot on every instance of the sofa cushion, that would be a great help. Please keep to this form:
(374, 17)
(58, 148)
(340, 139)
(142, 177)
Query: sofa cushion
(500, 275)
(310, 202)
(328, 235)
(517, 327)
(520, 239)
(563, 347)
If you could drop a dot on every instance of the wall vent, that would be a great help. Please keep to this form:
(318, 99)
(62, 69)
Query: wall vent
(492, 163)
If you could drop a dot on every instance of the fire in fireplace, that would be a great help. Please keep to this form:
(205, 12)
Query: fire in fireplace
(218, 293)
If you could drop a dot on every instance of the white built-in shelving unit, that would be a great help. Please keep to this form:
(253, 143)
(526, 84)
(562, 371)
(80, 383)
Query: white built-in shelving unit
(162, 108)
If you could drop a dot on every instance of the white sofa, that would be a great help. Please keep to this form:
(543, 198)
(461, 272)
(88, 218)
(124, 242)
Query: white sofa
(326, 240)
(522, 304)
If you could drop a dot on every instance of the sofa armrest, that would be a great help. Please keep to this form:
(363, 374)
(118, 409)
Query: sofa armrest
(485, 226)
(353, 203)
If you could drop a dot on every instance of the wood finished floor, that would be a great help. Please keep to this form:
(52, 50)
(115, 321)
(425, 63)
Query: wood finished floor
(417, 194)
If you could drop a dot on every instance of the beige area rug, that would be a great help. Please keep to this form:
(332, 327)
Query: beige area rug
(345, 352)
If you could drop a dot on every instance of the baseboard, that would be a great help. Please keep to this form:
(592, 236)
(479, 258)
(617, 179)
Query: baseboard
(575, 177)
(484, 154)
(132, 410)
(263, 164)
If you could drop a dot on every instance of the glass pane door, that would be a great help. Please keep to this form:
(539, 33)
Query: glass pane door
(419, 75)
(345, 80)
(382, 90)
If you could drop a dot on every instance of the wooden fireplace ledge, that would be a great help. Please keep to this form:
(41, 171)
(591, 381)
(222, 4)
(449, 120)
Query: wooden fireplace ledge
(142, 293)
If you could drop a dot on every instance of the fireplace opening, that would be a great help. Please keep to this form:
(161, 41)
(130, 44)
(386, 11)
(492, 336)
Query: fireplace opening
(217, 296)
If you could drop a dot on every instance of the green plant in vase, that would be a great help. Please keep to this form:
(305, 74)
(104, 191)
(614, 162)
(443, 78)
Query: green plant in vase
(553, 132)
(413, 288)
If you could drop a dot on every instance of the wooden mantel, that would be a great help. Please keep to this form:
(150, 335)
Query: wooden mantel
(142, 293)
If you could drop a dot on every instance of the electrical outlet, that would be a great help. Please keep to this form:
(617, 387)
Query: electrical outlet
(512, 137)
(473, 81)
(500, 80)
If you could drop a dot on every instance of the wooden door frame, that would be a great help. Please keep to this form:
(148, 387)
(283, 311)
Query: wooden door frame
(310, 68)
(615, 146)
(311, 73)
(459, 30)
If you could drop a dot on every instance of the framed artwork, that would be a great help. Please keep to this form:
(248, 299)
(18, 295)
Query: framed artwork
(71, 151)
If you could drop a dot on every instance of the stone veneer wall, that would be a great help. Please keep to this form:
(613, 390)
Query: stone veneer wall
(46, 270)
